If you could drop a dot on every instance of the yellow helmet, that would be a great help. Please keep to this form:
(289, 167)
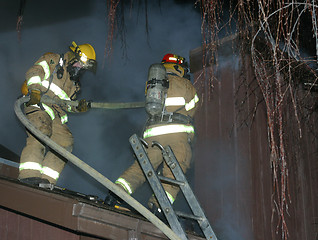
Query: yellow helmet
(85, 53)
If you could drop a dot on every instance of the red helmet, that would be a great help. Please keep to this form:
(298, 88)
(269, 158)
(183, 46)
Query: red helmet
(173, 58)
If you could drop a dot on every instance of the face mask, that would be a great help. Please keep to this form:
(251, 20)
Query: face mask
(75, 72)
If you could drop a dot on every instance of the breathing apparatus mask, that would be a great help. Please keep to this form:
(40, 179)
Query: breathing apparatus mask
(75, 69)
(82, 58)
(186, 71)
(156, 89)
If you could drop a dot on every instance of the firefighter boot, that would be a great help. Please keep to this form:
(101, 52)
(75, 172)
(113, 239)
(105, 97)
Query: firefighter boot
(34, 180)
(186, 224)
(154, 209)
(112, 199)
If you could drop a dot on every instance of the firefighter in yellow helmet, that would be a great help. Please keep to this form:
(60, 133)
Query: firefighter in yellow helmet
(57, 76)
(170, 123)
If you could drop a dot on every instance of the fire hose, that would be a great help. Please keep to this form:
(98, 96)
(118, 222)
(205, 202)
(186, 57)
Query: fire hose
(91, 171)
(103, 105)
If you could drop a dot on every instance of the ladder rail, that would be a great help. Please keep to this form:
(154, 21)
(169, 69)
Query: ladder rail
(193, 202)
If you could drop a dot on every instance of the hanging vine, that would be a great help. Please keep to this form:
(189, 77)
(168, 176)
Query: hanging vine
(272, 30)
(111, 17)
(279, 27)
(20, 18)
(210, 19)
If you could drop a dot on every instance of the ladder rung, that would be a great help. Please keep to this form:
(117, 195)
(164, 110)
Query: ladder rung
(185, 215)
(169, 180)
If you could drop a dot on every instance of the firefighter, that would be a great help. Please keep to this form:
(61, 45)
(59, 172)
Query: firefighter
(58, 77)
(170, 124)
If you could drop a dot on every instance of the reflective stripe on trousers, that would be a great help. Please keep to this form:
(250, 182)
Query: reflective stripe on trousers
(125, 184)
(122, 182)
(38, 167)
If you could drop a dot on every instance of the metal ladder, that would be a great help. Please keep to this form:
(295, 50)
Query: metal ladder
(180, 180)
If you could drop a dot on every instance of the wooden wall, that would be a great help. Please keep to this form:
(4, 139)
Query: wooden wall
(233, 175)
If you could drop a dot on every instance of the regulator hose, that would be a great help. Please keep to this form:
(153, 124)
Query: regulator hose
(91, 171)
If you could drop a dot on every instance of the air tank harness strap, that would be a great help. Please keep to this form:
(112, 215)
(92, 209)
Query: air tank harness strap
(169, 118)
(58, 70)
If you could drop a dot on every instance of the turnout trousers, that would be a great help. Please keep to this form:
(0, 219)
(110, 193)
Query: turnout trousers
(36, 159)
(181, 147)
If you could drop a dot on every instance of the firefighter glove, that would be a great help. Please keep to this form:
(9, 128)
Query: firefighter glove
(35, 97)
(82, 106)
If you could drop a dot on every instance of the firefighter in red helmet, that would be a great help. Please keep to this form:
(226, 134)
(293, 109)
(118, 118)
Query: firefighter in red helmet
(169, 123)
(57, 76)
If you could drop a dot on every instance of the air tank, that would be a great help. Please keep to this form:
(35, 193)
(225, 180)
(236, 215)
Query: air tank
(157, 86)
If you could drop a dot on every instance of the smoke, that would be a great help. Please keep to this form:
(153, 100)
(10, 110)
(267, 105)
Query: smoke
(226, 196)
(101, 137)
